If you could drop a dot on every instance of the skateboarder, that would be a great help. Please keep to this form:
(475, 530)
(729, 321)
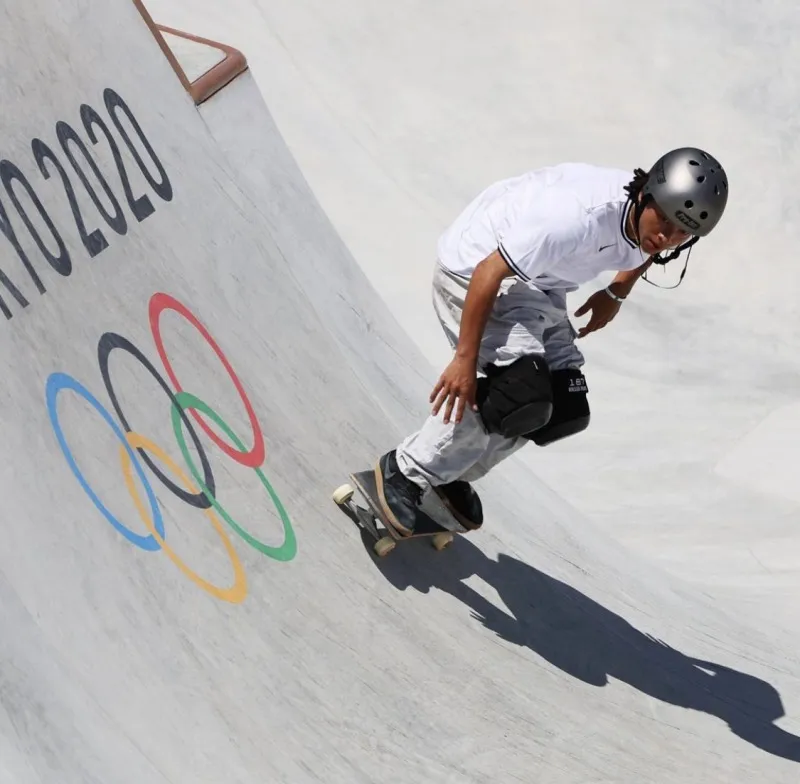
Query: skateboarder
(500, 286)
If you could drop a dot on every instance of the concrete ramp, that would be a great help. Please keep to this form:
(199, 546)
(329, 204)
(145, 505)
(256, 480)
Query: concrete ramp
(193, 362)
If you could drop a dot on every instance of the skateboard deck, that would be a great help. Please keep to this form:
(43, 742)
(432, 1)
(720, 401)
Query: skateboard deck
(442, 528)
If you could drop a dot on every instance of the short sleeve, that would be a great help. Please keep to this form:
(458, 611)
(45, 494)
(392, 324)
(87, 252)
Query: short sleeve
(542, 234)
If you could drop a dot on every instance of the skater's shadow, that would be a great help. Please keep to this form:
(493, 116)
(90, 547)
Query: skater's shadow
(591, 643)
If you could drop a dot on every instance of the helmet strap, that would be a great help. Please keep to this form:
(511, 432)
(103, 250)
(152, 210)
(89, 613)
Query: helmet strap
(674, 255)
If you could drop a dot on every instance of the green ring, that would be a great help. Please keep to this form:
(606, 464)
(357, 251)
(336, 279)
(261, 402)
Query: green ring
(288, 549)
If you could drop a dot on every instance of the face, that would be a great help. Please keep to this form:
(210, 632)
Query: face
(657, 232)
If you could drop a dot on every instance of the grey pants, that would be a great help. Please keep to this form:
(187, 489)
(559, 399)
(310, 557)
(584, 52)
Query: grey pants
(523, 321)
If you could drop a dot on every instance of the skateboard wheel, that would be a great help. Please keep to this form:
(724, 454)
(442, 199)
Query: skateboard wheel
(341, 495)
(384, 546)
(440, 541)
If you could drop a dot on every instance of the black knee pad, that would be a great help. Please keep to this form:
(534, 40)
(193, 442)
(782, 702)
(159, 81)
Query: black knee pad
(515, 399)
(570, 408)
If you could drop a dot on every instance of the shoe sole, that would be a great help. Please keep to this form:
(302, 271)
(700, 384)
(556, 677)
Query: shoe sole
(465, 521)
(387, 512)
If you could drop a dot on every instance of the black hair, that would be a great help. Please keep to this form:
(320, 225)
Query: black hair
(634, 187)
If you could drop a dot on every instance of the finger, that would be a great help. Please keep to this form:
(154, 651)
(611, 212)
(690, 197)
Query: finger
(449, 408)
(440, 398)
(583, 309)
(443, 398)
(460, 410)
(436, 389)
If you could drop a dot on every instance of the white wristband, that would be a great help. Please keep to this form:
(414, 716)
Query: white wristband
(613, 295)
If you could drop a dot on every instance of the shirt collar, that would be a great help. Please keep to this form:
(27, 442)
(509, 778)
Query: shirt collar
(623, 220)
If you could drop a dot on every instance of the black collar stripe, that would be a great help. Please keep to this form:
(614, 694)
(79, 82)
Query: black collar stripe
(625, 213)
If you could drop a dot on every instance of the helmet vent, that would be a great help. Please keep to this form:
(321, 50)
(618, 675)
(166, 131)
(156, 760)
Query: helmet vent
(701, 178)
(694, 163)
(688, 204)
(703, 215)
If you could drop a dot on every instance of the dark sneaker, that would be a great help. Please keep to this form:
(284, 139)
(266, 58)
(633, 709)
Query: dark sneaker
(463, 502)
(399, 496)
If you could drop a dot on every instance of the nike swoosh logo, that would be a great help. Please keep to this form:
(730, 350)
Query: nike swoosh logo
(603, 247)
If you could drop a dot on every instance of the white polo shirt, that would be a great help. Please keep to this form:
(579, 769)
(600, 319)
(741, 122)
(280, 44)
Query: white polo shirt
(556, 227)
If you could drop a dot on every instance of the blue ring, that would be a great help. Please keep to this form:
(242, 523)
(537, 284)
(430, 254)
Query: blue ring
(55, 383)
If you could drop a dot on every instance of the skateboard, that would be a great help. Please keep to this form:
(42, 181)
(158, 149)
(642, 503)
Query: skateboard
(386, 539)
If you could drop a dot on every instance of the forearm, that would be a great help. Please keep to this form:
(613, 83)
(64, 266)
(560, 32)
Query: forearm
(624, 281)
(478, 304)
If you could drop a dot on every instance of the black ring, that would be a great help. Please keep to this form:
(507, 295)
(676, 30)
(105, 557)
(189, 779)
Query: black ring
(108, 342)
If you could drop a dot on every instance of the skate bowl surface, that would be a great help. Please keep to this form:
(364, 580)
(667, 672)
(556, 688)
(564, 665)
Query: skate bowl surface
(195, 359)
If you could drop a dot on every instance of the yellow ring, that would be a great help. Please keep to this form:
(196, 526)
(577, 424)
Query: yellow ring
(237, 592)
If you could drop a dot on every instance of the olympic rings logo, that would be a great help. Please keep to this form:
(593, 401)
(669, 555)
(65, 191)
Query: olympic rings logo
(199, 491)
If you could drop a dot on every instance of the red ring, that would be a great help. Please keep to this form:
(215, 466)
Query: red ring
(160, 302)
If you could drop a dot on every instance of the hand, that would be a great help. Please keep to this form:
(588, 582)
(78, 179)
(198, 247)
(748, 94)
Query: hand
(603, 308)
(457, 385)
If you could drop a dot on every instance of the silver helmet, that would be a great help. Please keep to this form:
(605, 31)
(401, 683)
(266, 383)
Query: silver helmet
(691, 188)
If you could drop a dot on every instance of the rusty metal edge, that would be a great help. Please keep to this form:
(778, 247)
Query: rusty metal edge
(223, 73)
(234, 64)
